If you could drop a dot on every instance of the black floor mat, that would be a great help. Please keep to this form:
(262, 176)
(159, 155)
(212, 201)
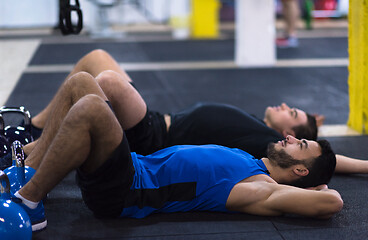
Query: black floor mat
(315, 90)
(194, 50)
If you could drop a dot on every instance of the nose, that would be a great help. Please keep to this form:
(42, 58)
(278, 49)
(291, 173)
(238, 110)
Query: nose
(284, 106)
(290, 139)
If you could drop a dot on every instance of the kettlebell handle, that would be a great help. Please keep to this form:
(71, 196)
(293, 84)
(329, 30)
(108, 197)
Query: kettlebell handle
(18, 153)
(26, 114)
(3, 177)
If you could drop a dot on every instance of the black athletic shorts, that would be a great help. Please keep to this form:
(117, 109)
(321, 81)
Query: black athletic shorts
(149, 135)
(104, 191)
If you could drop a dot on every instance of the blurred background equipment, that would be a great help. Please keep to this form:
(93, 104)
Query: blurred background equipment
(66, 21)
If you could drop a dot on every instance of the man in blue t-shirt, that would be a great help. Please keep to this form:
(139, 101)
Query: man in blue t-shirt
(84, 134)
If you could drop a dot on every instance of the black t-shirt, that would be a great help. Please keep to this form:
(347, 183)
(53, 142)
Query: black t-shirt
(223, 125)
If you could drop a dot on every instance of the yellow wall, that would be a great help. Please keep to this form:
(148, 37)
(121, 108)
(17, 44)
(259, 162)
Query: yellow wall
(358, 65)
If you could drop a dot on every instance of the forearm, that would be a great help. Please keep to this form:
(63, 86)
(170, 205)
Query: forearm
(322, 203)
(349, 165)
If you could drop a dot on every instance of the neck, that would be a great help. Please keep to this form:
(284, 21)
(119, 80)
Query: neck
(268, 124)
(278, 174)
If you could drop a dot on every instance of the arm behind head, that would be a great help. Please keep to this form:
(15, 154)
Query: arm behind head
(270, 199)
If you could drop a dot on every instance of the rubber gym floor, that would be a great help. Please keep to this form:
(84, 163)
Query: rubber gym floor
(172, 75)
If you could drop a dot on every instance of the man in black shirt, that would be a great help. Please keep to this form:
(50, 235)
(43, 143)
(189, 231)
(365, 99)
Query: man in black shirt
(204, 123)
(149, 131)
(222, 124)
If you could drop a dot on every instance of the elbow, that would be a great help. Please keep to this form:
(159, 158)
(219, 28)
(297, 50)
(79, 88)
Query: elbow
(334, 206)
(339, 205)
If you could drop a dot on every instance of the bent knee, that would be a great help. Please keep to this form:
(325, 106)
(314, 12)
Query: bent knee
(80, 79)
(108, 77)
(90, 100)
(90, 104)
(110, 81)
(98, 53)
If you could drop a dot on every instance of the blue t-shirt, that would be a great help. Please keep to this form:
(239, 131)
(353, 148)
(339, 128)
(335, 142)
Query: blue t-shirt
(187, 178)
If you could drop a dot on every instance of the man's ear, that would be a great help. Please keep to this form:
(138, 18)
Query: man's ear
(319, 119)
(287, 132)
(300, 170)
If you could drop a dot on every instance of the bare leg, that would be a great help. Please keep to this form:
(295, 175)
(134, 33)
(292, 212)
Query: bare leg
(291, 16)
(29, 147)
(128, 104)
(93, 63)
(71, 91)
(87, 136)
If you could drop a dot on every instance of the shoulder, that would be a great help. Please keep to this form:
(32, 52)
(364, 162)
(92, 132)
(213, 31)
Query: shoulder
(258, 178)
(250, 191)
(246, 187)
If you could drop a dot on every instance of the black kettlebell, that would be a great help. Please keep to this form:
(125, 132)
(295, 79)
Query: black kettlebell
(4, 143)
(20, 133)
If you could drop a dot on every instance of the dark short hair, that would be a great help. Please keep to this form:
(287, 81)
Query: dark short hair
(307, 131)
(321, 169)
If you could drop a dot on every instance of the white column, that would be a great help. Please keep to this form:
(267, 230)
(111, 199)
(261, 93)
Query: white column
(255, 33)
(180, 18)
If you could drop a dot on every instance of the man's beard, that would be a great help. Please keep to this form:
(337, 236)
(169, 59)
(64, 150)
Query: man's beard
(280, 157)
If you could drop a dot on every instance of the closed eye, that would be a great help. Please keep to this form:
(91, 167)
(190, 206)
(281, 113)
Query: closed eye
(294, 113)
(305, 144)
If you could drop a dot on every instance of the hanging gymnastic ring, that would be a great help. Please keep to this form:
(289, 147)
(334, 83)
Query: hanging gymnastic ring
(65, 17)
